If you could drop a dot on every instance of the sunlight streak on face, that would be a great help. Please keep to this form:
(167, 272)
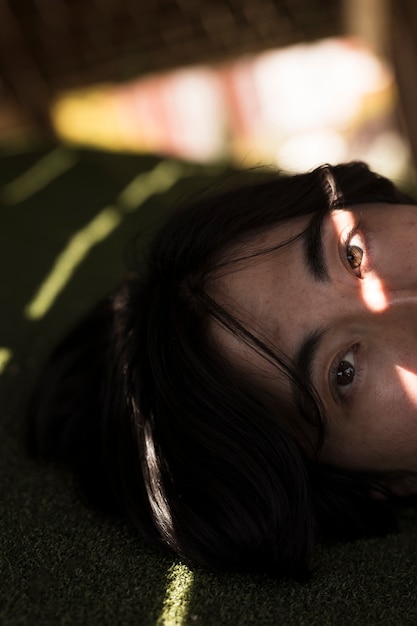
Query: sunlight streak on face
(342, 219)
(408, 381)
(373, 295)
(372, 289)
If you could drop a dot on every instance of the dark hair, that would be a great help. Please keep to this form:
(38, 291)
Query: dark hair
(160, 426)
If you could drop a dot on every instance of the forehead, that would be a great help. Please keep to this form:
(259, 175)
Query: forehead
(254, 286)
(255, 292)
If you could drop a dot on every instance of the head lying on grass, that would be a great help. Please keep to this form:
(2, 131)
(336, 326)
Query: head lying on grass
(252, 389)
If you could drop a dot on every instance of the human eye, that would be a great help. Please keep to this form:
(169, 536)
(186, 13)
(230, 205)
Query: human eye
(354, 252)
(343, 372)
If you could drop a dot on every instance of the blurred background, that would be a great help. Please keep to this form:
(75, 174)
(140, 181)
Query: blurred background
(287, 82)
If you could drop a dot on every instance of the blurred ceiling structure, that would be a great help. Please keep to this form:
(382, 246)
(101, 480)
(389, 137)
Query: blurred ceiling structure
(48, 48)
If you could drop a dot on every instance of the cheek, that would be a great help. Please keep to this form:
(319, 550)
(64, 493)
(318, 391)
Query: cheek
(393, 245)
(391, 405)
(406, 391)
(401, 264)
(388, 423)
(380, 432)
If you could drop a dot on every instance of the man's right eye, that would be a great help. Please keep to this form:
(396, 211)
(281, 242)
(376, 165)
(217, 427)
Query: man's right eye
(344, 372)
(355, 253)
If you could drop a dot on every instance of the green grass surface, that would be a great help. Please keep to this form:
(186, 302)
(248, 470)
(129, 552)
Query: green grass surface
(62, 563)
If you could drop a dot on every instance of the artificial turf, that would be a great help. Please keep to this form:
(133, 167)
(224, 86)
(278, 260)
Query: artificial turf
(67, 218)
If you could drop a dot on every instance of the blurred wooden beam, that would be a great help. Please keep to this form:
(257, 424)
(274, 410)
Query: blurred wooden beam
(370, 21)
(404, 57)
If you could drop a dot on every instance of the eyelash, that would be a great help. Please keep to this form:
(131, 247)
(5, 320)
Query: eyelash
(366, 239)
(354, 386)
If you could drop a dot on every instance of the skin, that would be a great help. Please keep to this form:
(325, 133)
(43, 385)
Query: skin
(367, 311)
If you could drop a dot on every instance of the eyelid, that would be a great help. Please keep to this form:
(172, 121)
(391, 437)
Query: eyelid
(339, 396)
(345, 240)
(354, 386)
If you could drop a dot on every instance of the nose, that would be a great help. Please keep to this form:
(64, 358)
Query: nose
(379, 295)
(375, 295)
(372, 294)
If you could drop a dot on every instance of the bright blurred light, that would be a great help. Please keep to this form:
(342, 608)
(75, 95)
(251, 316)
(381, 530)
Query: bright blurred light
(178, 114)
(297, 107)
(5, 358)
(373, 295)
(302, 151)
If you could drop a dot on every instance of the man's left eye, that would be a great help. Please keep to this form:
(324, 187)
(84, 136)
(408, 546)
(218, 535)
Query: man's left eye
(345, 373)
(354, 254)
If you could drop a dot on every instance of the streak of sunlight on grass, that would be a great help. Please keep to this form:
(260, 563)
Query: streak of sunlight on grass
(5, 356)
(162, 177)
(66, 263)
(175, 607)
(158, 180)
(38, 176)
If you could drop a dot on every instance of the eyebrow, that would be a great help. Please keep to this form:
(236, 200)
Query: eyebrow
(313, 248)
(314, 255)
(306, 355)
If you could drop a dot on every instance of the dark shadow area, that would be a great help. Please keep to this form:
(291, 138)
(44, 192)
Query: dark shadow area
(60, 561)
